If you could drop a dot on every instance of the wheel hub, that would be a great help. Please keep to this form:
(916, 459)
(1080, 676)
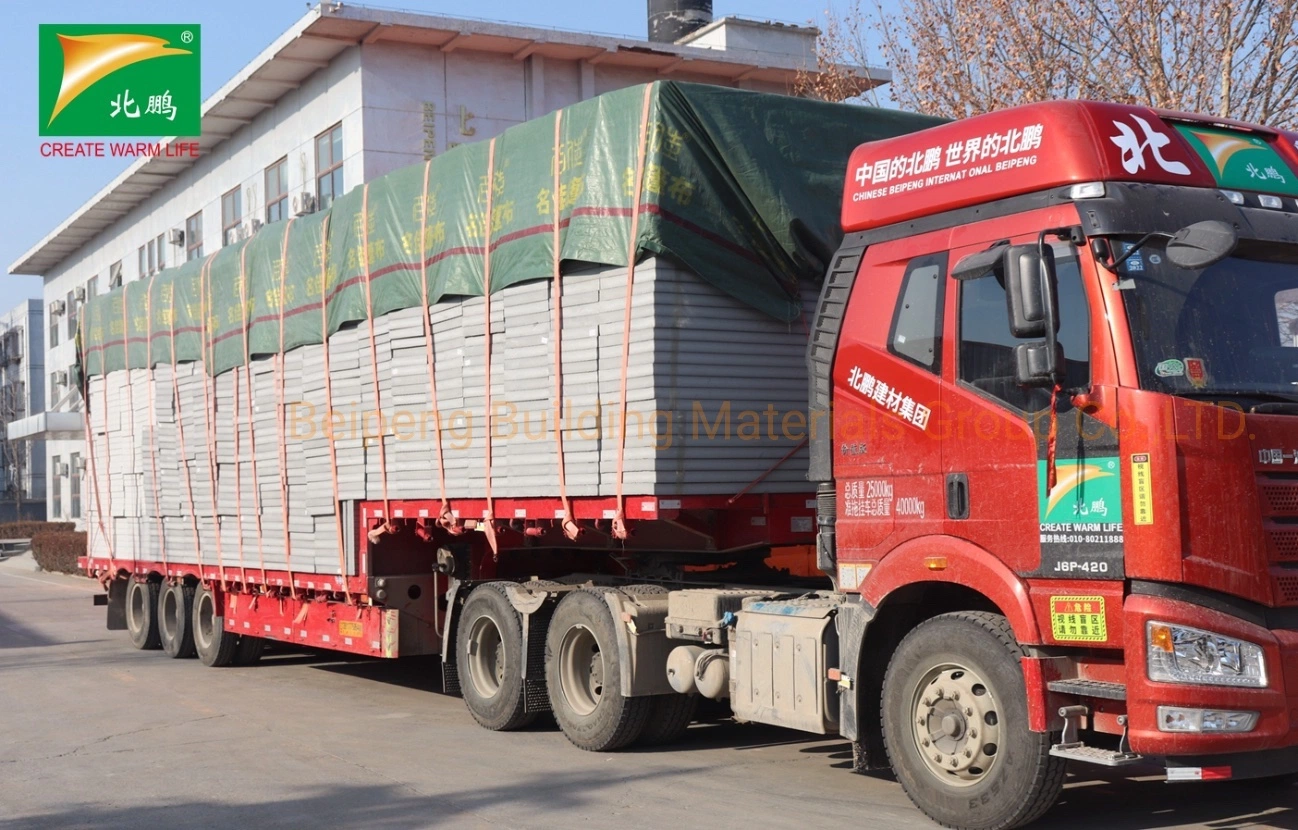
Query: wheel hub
(581, 672)
(956, 724)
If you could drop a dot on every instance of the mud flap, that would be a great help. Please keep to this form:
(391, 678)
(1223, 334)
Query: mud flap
(116, 602)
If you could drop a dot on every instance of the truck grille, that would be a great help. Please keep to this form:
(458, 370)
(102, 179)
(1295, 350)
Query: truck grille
(1279, 495)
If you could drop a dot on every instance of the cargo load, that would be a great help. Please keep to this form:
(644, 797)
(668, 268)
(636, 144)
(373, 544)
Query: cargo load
(236, 434)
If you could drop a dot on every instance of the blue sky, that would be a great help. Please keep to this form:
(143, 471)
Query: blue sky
(40, 193)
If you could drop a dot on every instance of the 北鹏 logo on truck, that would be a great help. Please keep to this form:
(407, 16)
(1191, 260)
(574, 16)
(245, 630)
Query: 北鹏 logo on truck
(1133, 148)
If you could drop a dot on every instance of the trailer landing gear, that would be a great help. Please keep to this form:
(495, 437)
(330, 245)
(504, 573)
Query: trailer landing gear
(955, 725)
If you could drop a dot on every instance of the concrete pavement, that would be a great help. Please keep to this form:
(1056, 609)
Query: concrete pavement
(94, 734)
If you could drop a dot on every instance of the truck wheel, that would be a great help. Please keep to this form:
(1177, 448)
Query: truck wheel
(248, 650)
(141, 614)
(583, 674)
(175, 616)
(955, 722)
(215, 645)
(669, 717)
(489, 656)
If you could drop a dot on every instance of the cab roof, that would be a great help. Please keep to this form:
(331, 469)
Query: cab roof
(1038, 146)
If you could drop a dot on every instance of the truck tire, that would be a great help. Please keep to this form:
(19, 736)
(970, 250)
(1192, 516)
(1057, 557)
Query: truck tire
(583, 675)
(489, 657)
(142, 614)
(248, 650)
(669, 717)
(175, 620)
(955, 723)
(215, 645)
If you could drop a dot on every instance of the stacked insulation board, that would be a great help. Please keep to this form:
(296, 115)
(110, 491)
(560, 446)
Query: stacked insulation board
(234, 402)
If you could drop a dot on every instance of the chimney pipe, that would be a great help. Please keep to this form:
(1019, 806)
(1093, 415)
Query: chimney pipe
(671, 20)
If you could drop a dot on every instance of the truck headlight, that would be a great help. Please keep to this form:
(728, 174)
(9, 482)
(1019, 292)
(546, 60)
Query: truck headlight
(1180, 654)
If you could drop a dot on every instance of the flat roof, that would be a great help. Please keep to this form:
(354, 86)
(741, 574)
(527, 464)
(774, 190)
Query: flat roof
(330, 28)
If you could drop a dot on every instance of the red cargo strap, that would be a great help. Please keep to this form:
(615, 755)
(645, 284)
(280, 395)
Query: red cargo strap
(252, 429)
(209, 349)
(130, 393)
(374, 355)
(180, 432)
(619, 518)
(570, 527)
(279, 414)
(444, 516)
(329, 404)
(488, 517)
(90, 455)
(153, 425)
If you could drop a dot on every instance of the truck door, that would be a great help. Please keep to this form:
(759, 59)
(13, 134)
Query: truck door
(888, 464)
(995, 454)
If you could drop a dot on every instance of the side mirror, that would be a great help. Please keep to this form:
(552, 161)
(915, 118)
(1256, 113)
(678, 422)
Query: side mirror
(1035, 364)
(1202, 244)
(1030, 289)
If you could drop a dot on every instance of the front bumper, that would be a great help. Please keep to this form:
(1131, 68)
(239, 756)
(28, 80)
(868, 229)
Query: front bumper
(1277, 703)
(1266, 763)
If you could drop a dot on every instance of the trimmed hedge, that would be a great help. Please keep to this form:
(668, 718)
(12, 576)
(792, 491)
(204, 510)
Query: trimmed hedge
(57, 550)
(26, 530)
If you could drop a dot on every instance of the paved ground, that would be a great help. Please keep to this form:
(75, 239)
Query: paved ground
(94, 734)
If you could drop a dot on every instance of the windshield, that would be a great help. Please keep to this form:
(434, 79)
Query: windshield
(1229, 329)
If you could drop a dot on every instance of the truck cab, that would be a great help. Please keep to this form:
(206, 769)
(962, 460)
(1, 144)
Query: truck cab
(1060, 348)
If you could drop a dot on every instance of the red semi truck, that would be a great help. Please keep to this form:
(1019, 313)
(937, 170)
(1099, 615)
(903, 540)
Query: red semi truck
(1056, 513)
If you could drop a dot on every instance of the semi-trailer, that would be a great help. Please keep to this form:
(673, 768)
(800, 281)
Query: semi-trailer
(967, 442)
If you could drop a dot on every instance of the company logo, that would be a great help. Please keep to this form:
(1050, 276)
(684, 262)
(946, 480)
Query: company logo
(1134, 149)
(119, 80)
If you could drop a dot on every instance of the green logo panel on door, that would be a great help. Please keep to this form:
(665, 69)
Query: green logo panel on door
(1088, 491)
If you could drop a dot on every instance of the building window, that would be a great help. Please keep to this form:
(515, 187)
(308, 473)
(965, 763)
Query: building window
(56, 488)
(328, 166)
(162, 247)
(54, 327)
(144, 263)
(153, 257)
(72, 314)
(277, 191)
(114, 275)
(194, 236)
(74, 487)
(54, 389)
(231, 215)
(92, 284)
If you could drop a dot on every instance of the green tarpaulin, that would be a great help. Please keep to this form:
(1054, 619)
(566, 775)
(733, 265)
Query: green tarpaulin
(742, 188)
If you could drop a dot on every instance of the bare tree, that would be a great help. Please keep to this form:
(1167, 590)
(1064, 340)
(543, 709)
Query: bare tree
(1232, 58)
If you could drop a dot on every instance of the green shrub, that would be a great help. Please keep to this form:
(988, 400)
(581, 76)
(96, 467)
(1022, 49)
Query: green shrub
(26, 530)
(57, 550)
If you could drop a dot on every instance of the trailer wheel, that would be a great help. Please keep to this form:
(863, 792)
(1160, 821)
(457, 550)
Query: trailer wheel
(489, 656)
(248, 650)
(955, 722)
(175, 620)
(583, 673)
(669, 717)
(215, 645)
(141, 614)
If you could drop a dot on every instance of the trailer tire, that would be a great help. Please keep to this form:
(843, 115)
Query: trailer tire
(247, 650)
(583, 676)
(489, 655)
(142, 614)
(215, 645)
(972, 763)
(175, 620)
(669, 717)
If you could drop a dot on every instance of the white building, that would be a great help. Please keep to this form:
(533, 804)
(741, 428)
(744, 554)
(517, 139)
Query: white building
(22, 392)
(349, 93)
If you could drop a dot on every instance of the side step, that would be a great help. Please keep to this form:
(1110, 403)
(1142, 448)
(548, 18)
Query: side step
(1089, 688)
(1074, 750)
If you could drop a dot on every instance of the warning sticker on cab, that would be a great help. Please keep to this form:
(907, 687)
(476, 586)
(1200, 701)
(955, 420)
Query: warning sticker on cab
(1078, 619)
(350, 628)
(1142, 491)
